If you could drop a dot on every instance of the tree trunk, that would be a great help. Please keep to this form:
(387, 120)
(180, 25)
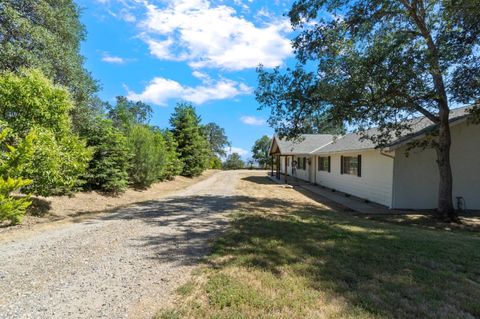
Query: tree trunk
(416, 10)
(445, 187)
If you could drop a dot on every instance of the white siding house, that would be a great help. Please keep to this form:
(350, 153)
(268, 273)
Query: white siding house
(392, 177)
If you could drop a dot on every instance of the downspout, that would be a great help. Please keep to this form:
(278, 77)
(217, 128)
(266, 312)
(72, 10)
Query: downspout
(393, 177)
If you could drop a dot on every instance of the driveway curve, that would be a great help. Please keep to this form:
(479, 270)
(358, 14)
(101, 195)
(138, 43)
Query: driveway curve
(118, 265)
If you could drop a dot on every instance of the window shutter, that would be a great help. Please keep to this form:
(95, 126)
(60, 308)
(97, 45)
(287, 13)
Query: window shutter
(341, 164)
(359, 168)
(329, 163)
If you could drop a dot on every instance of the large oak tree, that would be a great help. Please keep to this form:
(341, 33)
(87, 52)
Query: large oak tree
(379, 63)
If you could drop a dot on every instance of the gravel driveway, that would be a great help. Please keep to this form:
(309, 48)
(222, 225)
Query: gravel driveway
(118, 265)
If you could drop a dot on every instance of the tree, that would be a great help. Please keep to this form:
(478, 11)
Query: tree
(126, 113)
(216, 137)
(233, 161)
(148, 149)
(173, 164)
(30, 99)
(46, 35)
(193, 148)
(47, 151)
(296, 107)
(379, 63)
(260, 151)
(108, 169)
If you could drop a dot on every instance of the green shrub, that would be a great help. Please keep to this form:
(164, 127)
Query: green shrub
(108, 169)
(148, 149)
(30, 99)
(37, 114)
(215, 163)
(54, 165)
(11, 208)
(173, 164)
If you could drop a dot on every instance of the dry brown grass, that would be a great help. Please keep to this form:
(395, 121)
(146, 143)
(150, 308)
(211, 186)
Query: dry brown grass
(288, 256)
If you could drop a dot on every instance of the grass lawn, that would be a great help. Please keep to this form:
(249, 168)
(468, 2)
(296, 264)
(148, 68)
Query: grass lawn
(313, 263)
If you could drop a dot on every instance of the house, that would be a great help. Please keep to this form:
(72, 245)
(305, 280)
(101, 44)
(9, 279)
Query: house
(390, 176)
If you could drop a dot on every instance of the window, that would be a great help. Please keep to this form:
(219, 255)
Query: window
(351, 165)
(324, 164)
(302, 163)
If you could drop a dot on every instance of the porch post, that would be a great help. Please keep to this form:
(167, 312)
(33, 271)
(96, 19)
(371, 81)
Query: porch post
(286, 170)
(271, 163)
(278, 166)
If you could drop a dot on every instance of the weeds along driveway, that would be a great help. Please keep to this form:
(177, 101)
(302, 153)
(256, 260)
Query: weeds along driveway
(119, 265)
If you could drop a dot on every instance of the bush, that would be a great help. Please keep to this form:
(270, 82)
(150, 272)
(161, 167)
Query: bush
(37, 113)
(148, 149)
(215, 163)
(13, 209)
(54, 165)
(30, 99)
(108, 169)
(173, 164)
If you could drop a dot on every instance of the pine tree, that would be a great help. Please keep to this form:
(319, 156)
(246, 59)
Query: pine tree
(192, 147)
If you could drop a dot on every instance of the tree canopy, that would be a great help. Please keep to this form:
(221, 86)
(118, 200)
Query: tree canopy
(46, 34)
(379, 63)
(234, 161)
(260, 151)
(217, 138)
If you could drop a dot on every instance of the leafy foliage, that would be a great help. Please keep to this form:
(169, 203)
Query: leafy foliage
(148, 149)
(260, 151)
(233, 161)
(217, 138)
(192, 147)
(30, 99)
(11, 208)
(173, 164)
(380, 63)
(127, 113)
(54, 165)
(108, 169)
(47, 151)
(215, 163)
(46, 35)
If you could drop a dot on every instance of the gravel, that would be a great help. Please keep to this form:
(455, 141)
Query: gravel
(121, 265)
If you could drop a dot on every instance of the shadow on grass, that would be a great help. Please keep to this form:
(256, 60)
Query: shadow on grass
(179, 228)
(383, 269)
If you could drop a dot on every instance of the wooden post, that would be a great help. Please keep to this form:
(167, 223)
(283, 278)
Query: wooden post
(286, 170)
(271, 163)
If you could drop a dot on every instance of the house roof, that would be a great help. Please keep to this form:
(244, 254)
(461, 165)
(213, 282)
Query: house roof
(305, 144)
(326, 143)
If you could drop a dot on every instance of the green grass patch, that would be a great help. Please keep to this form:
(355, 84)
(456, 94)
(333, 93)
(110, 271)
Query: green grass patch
(318, 264)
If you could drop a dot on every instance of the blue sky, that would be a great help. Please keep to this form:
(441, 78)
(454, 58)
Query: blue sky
(201, 51)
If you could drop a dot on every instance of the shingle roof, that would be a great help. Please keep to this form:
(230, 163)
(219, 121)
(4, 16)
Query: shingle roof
(419, 126)
(306, 144)
(326, 143)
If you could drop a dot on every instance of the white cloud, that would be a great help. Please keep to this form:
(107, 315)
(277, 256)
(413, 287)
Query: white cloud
(205, 35)
(252, 120)
(240, 151)
(112, 59)
(160, 90)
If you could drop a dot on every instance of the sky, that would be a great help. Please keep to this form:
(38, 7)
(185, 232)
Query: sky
(201, 51)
